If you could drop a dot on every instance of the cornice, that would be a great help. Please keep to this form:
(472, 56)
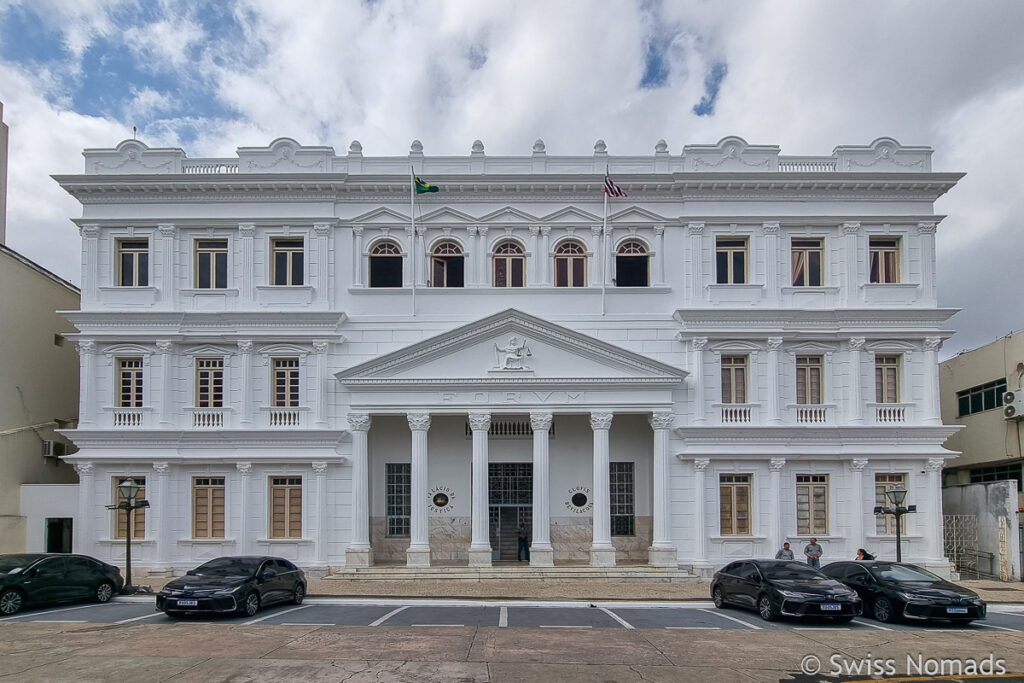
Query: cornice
(128, 441)
(840, 319)
(243, 321)
(835, 436)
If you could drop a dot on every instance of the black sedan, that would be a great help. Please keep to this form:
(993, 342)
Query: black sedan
(783, 588)
(234, 584)
(38, 578)
(891, 590)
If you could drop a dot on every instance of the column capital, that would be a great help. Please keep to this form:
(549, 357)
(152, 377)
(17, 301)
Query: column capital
(321, 229)
(164, 346)
(86, 346)
(701, 464)
(695, 228)
(166, 229)
(659, 230)
(245, 345)
(320, 345)
(244, 468)
(932, 343)
(246, 230)
(479, 422)
(541, 421)
(320, 468)
(926, 228)
(774, 343)
(699, 343)
(601, 421)
(662, 420)
(776, 464)
(935, 464)
(770, 228)
(84, 469)
(89, 231)
(161, 468)
(851, 228)
(418, 421)
(856, 343)
(858, 464)
(358, 422)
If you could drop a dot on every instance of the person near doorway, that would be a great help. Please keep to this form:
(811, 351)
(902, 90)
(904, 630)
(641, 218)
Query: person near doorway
(524, 547)
(813, 552)
(785, 553)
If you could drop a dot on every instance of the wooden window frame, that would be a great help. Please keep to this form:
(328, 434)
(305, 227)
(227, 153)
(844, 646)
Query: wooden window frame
(212, 258)
(509, 255)
(810, 383)
(816, 520)
(130, 382)
(885, 525)
(138, 515)
(729, 485)
(570, 264)
(735, 366)
(730, 247)
(209, 382)
(441, 265)
(887, 365)
(133, 262)
(884, 260)
(805, 251)
(285, 382)
(290, 489)
(208, 502)
(293, 251)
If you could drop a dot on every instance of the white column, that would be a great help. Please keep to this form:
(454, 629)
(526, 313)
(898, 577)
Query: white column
(930, 404)
(538, 259)
(419, 263)
(83, 534)
(244, 472)
(851, 231)
(87, 401)
(933, 523)
(480, 545)
(358, 260)
(774, 397)
(246, 232)
(926, 231)
(857, 511)
(546, 265)
(774, 505)
(597, 261)
(855, 402)
(697, 373)
(662, 552)
(359, 552)
(602, 552)
(163, 348)
(469, 257)
(700, 540)
(696, 263)
(418, 554)
(771, 261)
(160, 514)
(320, 469)
(658, 266)
(90, 265)
(321, 286)
(409, 262)
(483, 275)
(320, 396)
(246, 397)
(168, 265)
(541, 552)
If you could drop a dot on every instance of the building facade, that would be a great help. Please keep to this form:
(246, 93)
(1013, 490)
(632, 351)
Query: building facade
(296, 353)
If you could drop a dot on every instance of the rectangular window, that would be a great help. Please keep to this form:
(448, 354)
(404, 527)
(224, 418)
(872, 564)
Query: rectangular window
(209, 382)
(133, 263)
(808, 256)
(808, 380)
(211, 264)
(138, 516)
(731, 261)
(886, 524)
(398, 498)
(812, 504)
(622, 498)
(980, 398)
(887, 379)
(286, 255)
(734, 379)
(286, 382)
(286, 507)
(734, 504)
(129, 379)
(981, 475)
(884, 259)
(208, 507)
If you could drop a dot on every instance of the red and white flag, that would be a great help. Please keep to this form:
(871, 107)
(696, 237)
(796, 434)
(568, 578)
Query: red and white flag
(611, 189)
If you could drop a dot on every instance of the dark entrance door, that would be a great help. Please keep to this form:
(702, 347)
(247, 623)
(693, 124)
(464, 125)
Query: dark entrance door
(58, 534)
(510, 485)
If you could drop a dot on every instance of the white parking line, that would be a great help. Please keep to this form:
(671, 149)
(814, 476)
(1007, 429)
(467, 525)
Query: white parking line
(616, 617)
(274, 614)
(543, 626)
(52, 611)
(438, 624)
(693, 628)
(864, 623)
(389, 615)
(726, 616)
(144, 616)
(1001, 628)
(503, 617)
(820, 628)
(63, 621)
(304, 623)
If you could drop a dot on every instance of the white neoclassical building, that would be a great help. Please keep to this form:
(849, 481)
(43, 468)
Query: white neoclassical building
(294, 357)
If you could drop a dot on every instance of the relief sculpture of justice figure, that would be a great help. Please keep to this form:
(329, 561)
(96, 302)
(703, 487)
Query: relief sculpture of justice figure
(513, 355)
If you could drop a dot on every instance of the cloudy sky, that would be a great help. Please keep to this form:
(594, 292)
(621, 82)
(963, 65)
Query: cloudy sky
(213, 76)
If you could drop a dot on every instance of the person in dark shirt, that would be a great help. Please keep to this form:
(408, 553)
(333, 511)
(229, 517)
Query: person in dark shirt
(524, 548)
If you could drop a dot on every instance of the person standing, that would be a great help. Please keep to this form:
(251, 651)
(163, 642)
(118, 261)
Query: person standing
(813, 552)
(524, 547)
(785, 553)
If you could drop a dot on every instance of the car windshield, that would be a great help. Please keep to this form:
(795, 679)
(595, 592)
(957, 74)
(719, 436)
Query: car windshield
(902, 572)
(228, 566)
(12, 564)
(792, 571)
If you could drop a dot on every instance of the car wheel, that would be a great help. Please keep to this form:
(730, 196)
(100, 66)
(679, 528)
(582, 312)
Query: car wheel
(718, 598)
(299, 594)
(766, 609)
(10, 601)
(882, 610)
(251, 605)
(104, 592)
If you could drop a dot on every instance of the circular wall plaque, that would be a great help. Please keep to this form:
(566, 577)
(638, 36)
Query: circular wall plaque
(440, 500)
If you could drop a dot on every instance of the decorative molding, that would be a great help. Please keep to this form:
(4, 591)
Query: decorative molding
(246, 230)
(699, 343)
(932, 343)
(541, 421)
(776, 464)
(935, 464)
(89, 231)
(86, 347)
(164, 346)
(320, 345)
(418, 421)
(662, 420)
(695, 229)
(320, 468)
(852, 228)
(359, 422)
(858, 464)
(512, 356)
(856, 343)
(161, 468)
(774, 343)
(601, 420)
(84, 469)
(245, 345)
(166, 229)
(244, 468)
(770, 228)
(480, 421)
(321, 229)
(701, 464)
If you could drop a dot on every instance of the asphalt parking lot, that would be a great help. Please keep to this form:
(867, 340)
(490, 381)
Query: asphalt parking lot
(466, 613)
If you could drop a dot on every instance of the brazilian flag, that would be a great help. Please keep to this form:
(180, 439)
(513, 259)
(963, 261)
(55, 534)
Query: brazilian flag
(422, 187)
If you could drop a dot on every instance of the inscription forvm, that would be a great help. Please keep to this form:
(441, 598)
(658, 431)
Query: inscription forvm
(580, 500)
(514, 397)
(442, 499)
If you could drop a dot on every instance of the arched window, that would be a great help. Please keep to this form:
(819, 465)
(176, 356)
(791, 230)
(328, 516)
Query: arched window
(631, 265)
(447, 266)
(386, 265)
(570, 265)
(509, 265)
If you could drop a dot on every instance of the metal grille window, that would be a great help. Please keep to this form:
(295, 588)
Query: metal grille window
(509, 265)
(286, 382)
(812, 504)
(138, 516)
(287, 257)
(730, 261)
(884, 260)
(209, 382)
(133, 263)
(447, 266)
(286, 507)
(886, 524)
(807, 262)
(510, 483)
(208, 507)
(734, 504)
(570, 265)
(632, 267)
(398, 488)
(734, 379)
(129, 371)
(980, 398)
(211, 264)
(808, 379)
(887, 379)
(622, 492)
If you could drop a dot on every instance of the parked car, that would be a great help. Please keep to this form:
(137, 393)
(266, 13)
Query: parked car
(234, 584)
(38, 578)
(783, 588)
(892, 590)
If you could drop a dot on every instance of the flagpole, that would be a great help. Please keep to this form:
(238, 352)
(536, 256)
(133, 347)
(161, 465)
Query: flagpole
(412, 224)
(604, 251)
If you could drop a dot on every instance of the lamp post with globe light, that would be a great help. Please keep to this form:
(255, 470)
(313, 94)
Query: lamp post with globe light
(897, 495)
(129, 489)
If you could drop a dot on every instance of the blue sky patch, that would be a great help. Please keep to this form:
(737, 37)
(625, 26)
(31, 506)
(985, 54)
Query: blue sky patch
(712, 82)
(656, 64)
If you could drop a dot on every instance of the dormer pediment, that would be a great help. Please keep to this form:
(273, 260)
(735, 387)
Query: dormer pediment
(635, 214)
(508, 214)
(445, 215)
(571, 214)
(379, 216)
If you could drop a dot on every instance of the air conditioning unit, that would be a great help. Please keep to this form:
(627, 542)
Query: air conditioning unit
(1013, 405)
(53, 449)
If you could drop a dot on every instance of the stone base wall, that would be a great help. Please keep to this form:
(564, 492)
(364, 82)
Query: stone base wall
(571, 538)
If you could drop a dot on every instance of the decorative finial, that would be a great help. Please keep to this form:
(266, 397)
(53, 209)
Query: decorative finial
(661, 147)
(538, 147)
(355, 147)
(478, 146)
(134, 132)
(600, 147)
(416, 146)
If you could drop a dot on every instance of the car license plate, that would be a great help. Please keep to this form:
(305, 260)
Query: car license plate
(956, 610)
(831, 607)
(187, 602)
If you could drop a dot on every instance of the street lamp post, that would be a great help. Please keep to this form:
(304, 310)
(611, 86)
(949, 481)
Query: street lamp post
(128, 489)
(897, 495)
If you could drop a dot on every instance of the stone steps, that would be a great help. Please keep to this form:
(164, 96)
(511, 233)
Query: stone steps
(635, 574)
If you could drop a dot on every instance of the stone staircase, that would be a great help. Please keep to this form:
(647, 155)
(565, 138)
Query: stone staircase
(513, 571)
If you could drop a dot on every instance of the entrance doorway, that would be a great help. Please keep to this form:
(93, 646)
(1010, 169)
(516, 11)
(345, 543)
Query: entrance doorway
(511, 503)
(58, 534)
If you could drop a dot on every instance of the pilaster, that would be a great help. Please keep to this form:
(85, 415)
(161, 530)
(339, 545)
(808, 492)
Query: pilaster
(359, 552)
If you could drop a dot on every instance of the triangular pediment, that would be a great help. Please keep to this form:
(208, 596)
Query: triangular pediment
(508, 214)
(571, 214)
(445, 215)
(382, 215)
(634, 214)
(512, 347)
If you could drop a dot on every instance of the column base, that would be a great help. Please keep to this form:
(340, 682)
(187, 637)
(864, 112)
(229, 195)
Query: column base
(662, 556)
(479, 557)
(602, 556)
(417, 557)
(359, 557)
(542, 556)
